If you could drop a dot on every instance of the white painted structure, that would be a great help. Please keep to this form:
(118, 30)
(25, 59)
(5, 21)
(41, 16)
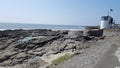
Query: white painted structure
(106, 22)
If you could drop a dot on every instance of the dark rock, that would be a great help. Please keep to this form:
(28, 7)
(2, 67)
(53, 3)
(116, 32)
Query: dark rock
(87, 38)
(21, 46)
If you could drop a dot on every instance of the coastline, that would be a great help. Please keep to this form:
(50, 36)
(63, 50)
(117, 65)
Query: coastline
(46, 29)
(17, 45)
(30, 48)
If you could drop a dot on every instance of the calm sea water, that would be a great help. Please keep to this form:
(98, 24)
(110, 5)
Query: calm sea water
(38, 26)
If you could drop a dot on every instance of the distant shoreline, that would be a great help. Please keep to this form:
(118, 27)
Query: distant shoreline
(46, 29)
(38, 26)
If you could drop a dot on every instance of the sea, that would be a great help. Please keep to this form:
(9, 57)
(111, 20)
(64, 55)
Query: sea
(12, 26)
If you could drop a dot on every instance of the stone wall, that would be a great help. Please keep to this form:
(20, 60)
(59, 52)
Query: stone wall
(93, 32)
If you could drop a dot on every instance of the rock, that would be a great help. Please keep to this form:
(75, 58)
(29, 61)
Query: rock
(41, 42)
(35, 62)
(74, 34)
(30, 46)
(21, 46)
(87, 38)
(39, 49)
(3, 46)
(69, 46)
(62, 47)
(21, 55)
(78, 47)
(79, 51)
(54, 45)
(38, 53)
(51, 52)
(5, 59)
(6, 63)
(6, 56)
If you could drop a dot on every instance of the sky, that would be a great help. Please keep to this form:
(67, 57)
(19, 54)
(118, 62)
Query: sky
(58, 12)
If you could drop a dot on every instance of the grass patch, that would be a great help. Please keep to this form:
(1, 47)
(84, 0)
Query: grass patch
(60, 59)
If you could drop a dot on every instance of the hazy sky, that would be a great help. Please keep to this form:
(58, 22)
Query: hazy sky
(63, 12)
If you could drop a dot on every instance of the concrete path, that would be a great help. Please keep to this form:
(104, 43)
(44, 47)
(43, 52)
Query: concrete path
(109, 60)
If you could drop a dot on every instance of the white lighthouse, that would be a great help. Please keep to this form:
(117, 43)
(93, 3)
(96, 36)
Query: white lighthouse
(106, 22)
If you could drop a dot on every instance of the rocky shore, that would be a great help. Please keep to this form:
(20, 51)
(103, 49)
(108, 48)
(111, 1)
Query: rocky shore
(27, 46)
(38, 48)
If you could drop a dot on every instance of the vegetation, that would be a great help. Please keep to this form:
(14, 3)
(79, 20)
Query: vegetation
(60, 59)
